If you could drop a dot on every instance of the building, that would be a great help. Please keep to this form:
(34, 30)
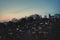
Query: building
(57, 15)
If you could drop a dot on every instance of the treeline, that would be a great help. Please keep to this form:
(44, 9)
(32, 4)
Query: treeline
(31, 28)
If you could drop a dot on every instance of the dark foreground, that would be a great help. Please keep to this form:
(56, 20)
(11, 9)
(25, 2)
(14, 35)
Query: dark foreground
(31, 28)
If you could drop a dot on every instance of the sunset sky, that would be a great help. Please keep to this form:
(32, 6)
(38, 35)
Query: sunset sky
(19, 8)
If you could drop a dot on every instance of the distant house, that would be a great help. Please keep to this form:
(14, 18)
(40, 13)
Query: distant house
(57, 15)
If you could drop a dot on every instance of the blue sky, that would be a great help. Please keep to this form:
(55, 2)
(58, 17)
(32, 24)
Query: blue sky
(20, 8)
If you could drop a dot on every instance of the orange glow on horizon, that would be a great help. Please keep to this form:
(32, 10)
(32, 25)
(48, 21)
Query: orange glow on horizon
(11, 16)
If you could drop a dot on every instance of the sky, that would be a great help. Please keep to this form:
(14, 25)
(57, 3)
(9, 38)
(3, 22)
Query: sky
(20, 8)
